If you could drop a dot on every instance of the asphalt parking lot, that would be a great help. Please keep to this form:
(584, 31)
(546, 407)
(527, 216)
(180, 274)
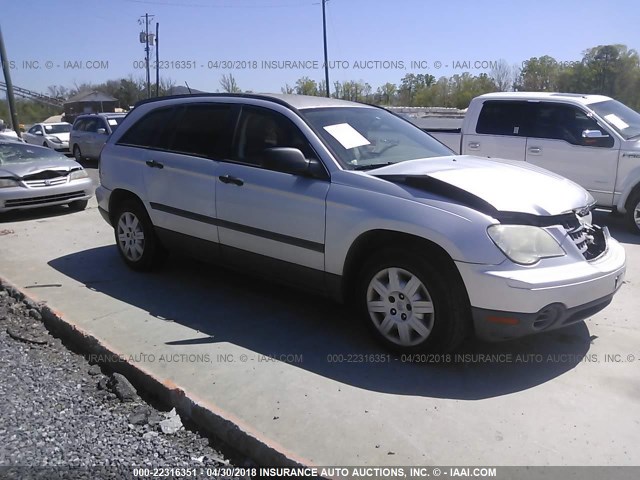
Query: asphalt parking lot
(296, 372)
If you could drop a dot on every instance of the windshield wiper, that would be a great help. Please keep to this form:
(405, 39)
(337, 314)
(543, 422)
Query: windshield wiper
(371, 166)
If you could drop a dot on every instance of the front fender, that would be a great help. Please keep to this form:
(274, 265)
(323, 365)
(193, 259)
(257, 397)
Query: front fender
(352, 212)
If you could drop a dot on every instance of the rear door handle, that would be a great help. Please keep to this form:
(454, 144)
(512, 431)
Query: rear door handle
(474, 145)
(231, 179)
(154, 164)
(535, 150)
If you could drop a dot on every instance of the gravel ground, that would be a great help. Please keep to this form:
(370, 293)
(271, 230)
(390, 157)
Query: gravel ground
(58, 411)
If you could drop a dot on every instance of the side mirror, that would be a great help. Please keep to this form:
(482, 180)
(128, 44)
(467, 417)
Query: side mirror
(593, 134)
(101, 131)
(286, 160)
(38, 133)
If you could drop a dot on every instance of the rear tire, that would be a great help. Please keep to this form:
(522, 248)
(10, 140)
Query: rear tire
(413, 303)
(633, 212)
(135, 237)
(78, 205)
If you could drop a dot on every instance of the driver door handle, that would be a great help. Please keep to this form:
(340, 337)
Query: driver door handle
(231, 179)
(154, 164)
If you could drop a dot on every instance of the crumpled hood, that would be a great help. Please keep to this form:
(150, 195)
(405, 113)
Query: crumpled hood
(20, 169)
(506, 185)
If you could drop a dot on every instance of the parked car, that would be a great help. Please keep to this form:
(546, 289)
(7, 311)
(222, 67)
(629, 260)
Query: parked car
(590, 139)
(50, 135)
(351, 201)
(90, 131)
(33, 176)
(10, 138)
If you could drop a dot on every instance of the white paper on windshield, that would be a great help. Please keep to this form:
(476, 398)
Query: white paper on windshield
(616, 121)
(48, 127)
(113, 122)
(348, 136)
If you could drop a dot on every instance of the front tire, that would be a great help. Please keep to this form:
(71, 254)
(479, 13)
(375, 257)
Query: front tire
(633, 212)
(77, 154)
(413, 303)
(136, 238)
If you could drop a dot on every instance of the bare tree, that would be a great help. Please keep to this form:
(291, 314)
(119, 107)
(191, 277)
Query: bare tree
(229, 85)
(502, 75)
(288, 89)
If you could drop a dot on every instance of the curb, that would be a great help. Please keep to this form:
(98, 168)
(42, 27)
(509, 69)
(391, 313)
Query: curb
(222, 426)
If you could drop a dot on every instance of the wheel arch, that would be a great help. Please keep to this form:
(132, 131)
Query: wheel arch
(371, 241)
(630, 195)
(117, 197)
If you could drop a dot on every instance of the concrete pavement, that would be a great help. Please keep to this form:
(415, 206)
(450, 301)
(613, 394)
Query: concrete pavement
(295, 374)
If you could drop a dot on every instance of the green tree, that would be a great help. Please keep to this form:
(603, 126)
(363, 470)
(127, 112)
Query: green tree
(539, 74)
(306, 86)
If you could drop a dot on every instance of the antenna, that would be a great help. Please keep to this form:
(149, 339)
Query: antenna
(188, 87)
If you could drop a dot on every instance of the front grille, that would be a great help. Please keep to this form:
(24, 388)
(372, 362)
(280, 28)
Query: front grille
(589, 239)
(25, 202)
(47, 182)
(46, 178)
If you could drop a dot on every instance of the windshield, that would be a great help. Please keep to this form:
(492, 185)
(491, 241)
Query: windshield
(58, 128)
(367, 138)
(619, 117)
(22, 152)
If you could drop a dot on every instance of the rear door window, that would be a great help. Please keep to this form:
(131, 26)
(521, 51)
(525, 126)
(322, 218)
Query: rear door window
(503, 118)
(204, 130)
(151, 130)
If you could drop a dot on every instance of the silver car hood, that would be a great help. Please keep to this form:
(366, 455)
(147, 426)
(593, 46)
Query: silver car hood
(505, 185)
(21, 169)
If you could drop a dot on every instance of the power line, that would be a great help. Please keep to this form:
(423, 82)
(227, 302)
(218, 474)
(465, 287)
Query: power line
(200, 5)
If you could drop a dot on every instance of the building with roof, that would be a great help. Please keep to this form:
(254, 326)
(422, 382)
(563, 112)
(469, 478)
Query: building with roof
(88, 102)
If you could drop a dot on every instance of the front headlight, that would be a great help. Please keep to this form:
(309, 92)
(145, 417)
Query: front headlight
(78, 174)
(8, 182)
(54, 139)
(524, 244)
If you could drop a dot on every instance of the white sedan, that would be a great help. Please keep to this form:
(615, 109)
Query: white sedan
(51, 135)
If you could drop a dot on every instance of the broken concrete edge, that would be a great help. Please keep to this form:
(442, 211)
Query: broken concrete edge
(231, 432)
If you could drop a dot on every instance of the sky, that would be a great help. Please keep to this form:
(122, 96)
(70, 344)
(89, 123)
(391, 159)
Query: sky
(68, 42)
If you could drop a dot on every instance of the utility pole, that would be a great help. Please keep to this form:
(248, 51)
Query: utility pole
(326, 61)
(146, 49)
(144, 38)
(7, 80)
(157, 40)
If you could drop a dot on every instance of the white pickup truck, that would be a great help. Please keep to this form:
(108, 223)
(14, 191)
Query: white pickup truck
(590, 139)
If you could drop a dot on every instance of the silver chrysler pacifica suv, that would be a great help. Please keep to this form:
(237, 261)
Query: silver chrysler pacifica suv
(352, 201)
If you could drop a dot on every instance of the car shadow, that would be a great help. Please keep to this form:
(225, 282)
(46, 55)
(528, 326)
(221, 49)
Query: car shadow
(318, 335)
(34, 213)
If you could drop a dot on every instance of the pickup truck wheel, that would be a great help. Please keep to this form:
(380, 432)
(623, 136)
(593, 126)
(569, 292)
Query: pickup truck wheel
(136, 238)
(410, 302)
(633, 213)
